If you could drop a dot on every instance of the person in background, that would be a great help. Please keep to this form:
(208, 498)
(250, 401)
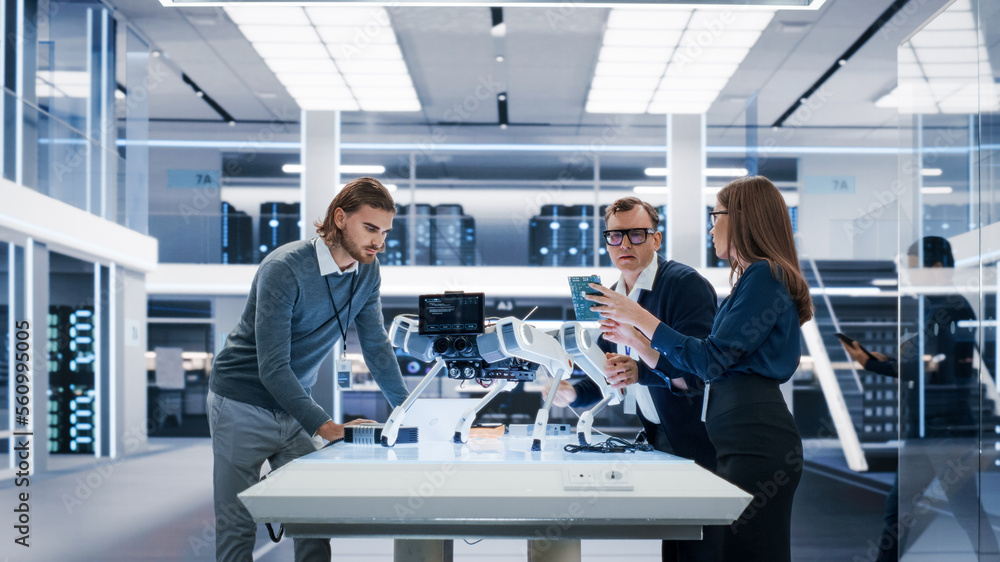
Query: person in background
(302, 299)
(753, 347)
(677, 295)
(950, 427)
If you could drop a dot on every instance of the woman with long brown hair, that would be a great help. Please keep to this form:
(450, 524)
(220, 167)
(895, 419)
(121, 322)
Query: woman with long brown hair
(754, 346)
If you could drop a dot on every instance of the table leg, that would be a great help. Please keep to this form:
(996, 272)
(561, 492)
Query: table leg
(417, 550)
(554, 551)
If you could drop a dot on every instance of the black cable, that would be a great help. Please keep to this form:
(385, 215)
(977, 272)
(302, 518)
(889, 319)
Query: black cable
(611, 445)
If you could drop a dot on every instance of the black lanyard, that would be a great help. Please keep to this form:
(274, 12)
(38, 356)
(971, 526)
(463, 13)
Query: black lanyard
(337, 311)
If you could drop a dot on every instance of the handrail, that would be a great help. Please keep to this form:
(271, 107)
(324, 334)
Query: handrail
(833, 316)
(823, 370)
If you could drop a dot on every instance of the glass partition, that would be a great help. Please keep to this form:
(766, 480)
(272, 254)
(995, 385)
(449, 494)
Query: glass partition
(947, 485)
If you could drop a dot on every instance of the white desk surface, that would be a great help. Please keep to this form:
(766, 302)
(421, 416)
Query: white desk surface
(492, 487)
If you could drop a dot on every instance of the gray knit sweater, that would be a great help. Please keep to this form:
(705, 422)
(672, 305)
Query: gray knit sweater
(272, 358)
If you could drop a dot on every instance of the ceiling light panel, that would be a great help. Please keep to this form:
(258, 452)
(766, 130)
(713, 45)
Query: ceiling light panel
(330, 57)
(291, 50)
(280, 33)
(941, 66)
(691, 52)
(330, 79)
(378, 36)
(266, 15)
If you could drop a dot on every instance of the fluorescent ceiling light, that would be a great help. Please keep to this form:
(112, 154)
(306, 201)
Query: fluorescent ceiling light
(350, 34)
(376, 93)
(291, 50)
(705, 48)
(383, 51)
(887, 282)
(931, 172)
(641, 38)
(349, 16)
(365, 169)
(635, 54)
(648, 19)
(698, 70)
(615, 107)
(320, 92)
(729, 38)
(935, 190)
(327, 104)
(280, 33)
(726, 172)
(709, 172)
(312, 49)
(722, 56)
(630, 95)
(266, 15)
(647, 69)
(333, 79)
(355, 66)
(730, 19)
(380, 80)
(663, 95)
(629, 82)
(299, 66)
(685, 83)
(680, 107)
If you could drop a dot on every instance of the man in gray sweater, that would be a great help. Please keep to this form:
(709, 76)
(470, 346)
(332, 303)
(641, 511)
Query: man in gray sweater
(303, 298)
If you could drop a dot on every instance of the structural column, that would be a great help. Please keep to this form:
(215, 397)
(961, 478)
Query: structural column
(320, 184)
(320, 165)
(685, 209)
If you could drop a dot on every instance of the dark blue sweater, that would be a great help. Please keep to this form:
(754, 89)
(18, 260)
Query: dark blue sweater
(685, 300)
(755, 332)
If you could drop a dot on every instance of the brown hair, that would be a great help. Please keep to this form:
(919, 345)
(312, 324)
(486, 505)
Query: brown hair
(362, 191)
(626, 204)
(759, 228)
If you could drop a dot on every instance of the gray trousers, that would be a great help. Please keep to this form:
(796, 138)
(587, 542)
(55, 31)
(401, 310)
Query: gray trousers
(243, 437)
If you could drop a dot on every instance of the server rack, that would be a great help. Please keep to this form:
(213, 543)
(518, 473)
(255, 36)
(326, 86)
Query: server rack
(237, 235)
(279, 225)
(71, 354)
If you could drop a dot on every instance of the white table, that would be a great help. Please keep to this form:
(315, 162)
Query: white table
(431, 492)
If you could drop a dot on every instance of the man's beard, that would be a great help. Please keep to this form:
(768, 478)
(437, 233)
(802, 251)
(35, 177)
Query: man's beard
(355, 250)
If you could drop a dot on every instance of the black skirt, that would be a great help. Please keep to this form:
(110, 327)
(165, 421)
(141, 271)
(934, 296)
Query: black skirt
(759, 450)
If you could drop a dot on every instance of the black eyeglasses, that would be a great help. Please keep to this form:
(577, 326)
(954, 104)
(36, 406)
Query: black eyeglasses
(635, 236)
(714, 216)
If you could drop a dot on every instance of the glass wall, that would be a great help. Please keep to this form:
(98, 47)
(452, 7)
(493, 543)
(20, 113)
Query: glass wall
(61, 128)
(948, 466)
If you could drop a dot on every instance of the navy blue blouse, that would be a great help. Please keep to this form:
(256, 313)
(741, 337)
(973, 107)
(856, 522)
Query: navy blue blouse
(756, 331)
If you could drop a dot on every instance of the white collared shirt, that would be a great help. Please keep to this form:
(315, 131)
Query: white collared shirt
(327, 264)
(636, 393)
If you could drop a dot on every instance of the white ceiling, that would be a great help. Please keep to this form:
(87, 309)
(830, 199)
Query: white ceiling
(550, 55)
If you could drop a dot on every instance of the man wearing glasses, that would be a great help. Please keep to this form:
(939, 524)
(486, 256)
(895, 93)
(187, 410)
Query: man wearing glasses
(683, 299)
